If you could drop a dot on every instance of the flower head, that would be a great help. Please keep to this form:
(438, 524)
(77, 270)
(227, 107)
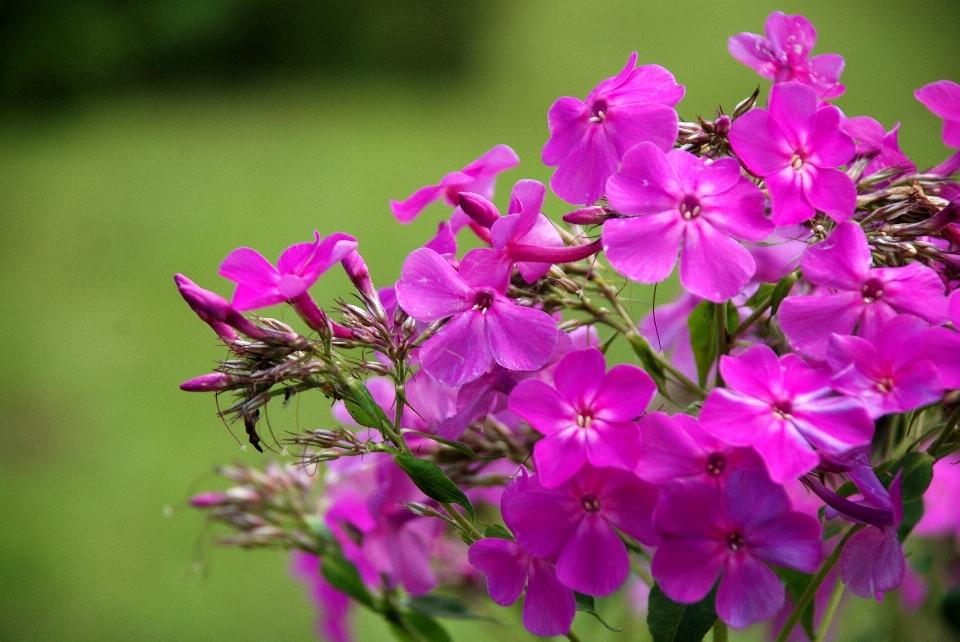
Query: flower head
(480, 176)
(783, 55)
(676, 199)
(732, 531)
(796, 146)
(588, 138)
(943, 99)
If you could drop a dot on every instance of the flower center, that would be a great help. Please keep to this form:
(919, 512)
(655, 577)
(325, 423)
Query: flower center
(715, 464)
(482, 301)
(590, 503)
(599, 110)
(782, 409)
(872, 290)
(797, 161)
(735, 541)
(690, 208)
(585, 418)
(885, 385)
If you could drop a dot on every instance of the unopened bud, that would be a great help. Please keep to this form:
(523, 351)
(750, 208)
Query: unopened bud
(212, 382)
(209, 306)
(593, 215)
(204, 500)
(241, 494)
(479, 209)
(421, 509)
(722, 124)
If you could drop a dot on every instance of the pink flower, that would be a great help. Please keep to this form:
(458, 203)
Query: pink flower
(940, 515)
(588, 138)
(882, 146)
(732, 531)
(796, 147)
(588, 415)
(259, 284)
(885, 370)
(485, 326)
(480, 176)
(676, 199)
(943, 99)
(677, 447)
(855, 294)
(782, 55)
(574, 524)
(784, 409)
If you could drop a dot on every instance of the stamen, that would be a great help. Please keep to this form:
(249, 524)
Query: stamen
(797, 162)
(735, 541)
(590, 503)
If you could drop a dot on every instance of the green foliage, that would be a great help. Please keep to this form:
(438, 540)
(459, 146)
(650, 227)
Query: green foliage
(586, 604)
(702, 323)
(917, 470)
(672, 622)
(343, 576)
(434, 483)
(441, 606)
(362, 406)
(797, 582)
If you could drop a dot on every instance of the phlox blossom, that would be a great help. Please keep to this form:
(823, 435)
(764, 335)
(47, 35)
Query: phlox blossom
(732, 531)
(589, 137)
(784, 409)
(479, 176)
(796, 145)
(587, 415)
(783, 55)
(943, 99)
(676, 199)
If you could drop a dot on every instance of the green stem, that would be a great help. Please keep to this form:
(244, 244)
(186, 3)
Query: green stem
(750, 320)
(815, 583)
(720, 631)
(638, 343)
(468, 529)
(573, 637)
(830, 612)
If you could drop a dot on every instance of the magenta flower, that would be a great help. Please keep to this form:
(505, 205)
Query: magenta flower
(796, 147)
(588, 415)
(732, 531)
(259, 284)
(333, 607)
(574, 524)
(873, 560)
(942, 346)
(784, 409)
(485, 326)
(480, 176)
(855, 294)
(940, 515)
(875, 142)
(782, 55)
(678, 199)
(549, 606)
(588, 138)
(677, 447)
(943, 99)
(885, 370)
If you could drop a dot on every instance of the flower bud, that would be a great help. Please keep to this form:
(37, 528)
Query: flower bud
(213, 382)
(204, 500)
(722, 124)
(593, 215)
(479, 209)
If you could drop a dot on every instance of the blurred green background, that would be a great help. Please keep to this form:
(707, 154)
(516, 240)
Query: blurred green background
(142, 139)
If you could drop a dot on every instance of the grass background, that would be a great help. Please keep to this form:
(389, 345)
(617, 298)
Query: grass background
(100, 205)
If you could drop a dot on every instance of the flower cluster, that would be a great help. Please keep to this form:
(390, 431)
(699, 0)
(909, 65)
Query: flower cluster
(479, 436)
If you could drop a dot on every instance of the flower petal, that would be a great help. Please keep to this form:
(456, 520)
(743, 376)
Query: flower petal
(430, 289)
(505, 566)
(749, 592)
(460, 351)
(549, 607)
(644, 248)
(520, 338)
(594, 560)
(713, 265)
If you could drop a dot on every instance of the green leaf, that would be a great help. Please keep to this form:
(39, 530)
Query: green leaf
(912, 514)
(415, 627)
(498, 531)
(797, 582)
(343, 576)
(763, 292)
(781, 291)
(672, 622)
(917, 474)
(434, 483)
(442, 606)
(733, 317)
(950, 608)
(586, 604)
(703, 337)
(362, 407)
(456, 445)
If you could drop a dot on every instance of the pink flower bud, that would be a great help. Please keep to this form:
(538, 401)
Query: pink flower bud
(204, 500)
(593, 215)
(479, 209)
(722, 124)
(208, 383)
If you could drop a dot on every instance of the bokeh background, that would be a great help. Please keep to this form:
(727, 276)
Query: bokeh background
(140, 139)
